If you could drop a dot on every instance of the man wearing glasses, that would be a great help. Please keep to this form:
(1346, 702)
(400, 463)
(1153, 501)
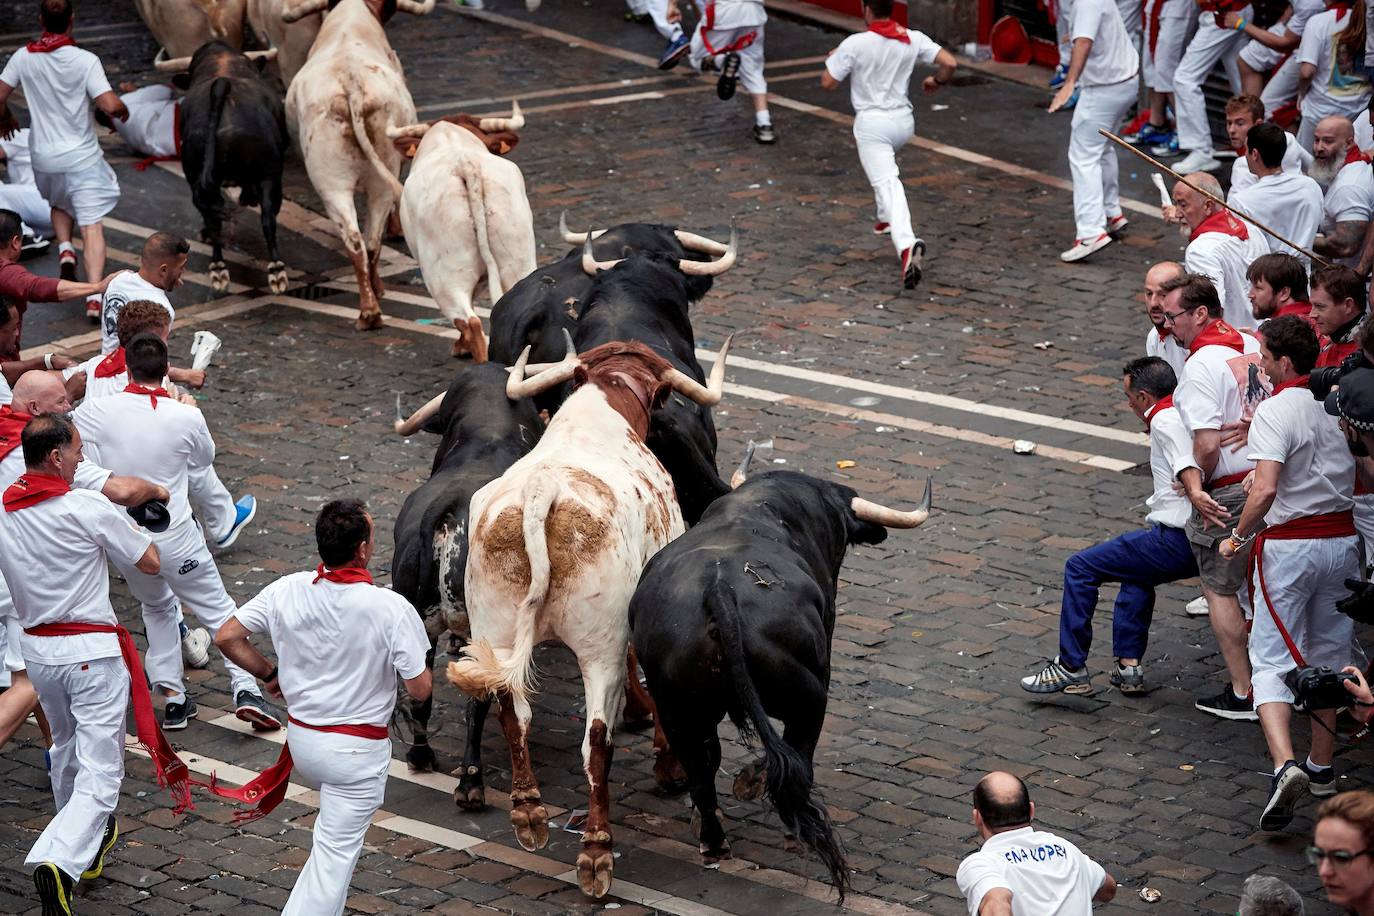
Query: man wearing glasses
(1341, 845)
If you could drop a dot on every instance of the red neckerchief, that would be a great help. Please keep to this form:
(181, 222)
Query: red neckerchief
(1218, 333)
(32, 489)
(1354, 155)
(1163, 335)
(50, 42)
(1221, 221)
(1341, 10)
(152, 393)
(111, 365)
(347, 575)
(1163, 403)
(1298, 309)
(1300, 380)
(12, 424)
(889, 29)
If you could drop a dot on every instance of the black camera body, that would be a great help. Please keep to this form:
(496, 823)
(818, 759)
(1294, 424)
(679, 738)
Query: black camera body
(1359, 604)
(1324, 378)
(1320, 688)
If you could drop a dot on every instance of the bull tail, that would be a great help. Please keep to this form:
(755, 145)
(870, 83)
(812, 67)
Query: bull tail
(355, 115)
(477, 203)
(484, 672)
(789, 779)
(219, 94)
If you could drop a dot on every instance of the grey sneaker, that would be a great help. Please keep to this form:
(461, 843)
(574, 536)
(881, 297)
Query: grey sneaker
(1321, 783)
(176, 715)
(253, 709)
(1055, 678)
(1288, 785)
(1129, 679)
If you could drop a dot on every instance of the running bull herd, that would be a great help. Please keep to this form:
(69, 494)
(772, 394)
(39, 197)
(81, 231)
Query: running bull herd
(574, 493)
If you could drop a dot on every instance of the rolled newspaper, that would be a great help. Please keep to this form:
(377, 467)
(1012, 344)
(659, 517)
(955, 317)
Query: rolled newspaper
(203, 349)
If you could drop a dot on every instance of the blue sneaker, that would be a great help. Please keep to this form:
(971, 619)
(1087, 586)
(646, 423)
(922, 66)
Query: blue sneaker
(244, 510)
(676, 50)
(1060, 74)
(1151, 135)
(1169, 148)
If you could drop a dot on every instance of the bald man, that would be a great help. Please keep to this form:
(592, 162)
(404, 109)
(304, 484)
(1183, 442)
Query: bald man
(1220, 245)
(1021, 871)
(1344, 174)
(1160, 341)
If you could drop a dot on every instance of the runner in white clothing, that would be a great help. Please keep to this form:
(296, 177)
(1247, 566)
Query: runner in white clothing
(21, 195)
(1242, 113)
(152, 126)
(341, 644)
(1329, 82)
(1213, 43)
(59, 81)
(878, 64)
(160, 266)
(729, 38)
(1344, 171)
(1287, 202)
(1271, 51)
(1220, 246)
(1104, 65)
(1161, 341)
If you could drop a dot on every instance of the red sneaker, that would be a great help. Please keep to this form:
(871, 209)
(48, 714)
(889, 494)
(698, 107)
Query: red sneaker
(911, 264)
(93, 309)
(882, 229)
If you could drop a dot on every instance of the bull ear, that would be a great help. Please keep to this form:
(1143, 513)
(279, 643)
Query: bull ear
(182, 81)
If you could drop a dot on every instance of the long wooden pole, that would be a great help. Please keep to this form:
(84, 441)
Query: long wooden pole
(1216, 200)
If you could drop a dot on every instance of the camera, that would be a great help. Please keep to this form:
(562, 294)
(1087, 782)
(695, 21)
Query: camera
(1325, 378)
(1359, 604)
(1319, 688)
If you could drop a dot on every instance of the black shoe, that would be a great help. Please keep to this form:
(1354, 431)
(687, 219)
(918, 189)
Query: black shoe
(1288, 785)
(33, 246)
(1321, 784)
(763, 133)
(729, 76)
(66, 266)
(106, 844)
(911, 264)
(54, 889)
(1225, 705)
(252, 708)
(176, 715)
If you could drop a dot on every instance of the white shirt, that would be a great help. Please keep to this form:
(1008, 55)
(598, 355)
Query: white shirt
(1113, 58)
(151, 128)
(339, 647)
(6, 395)
(1350, 199)
(1047, 875)
(1290, 203)
(1295, 159)
(89, 474)
(1221, 386)
(58, 87)
(734, 14)
(127, 286)
(1223, 259)
(1303, 10)
(129, 437)
(1170, 9)
(879, 69)
(1364, 133)
(52, 556)
(18, 163)
(1318, 473)
(1167, 348)
(1338, 86)
(1171, 450)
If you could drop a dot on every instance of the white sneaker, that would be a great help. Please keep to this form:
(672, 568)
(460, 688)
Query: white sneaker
(195, 647)
(1198, 160)
(1084, 247)
(1197, 607)
(1114, 225)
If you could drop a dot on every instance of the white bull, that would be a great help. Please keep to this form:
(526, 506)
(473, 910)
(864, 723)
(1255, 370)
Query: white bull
(466, 217)
(291, 39)
(351, 89)
(181, 26)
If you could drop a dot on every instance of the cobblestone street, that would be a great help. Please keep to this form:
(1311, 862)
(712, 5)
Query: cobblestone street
(1000, 342)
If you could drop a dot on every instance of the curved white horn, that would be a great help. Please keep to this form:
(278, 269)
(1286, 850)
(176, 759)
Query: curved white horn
(713, 268)
(517, 386)
(303, 9)
(269, 54)
(693, 242)
(409, 130)
(575, 238)
(514, 122)
(707, 395)
(590, 265)
(175, 65)
(412, 424)
(415, 9)
(742, 472)
(892, 518)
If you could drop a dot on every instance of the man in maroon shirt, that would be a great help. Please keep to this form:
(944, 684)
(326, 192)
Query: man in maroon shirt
(22, 287)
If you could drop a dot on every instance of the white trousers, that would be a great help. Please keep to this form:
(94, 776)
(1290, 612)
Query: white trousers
(212, 502)
(1282, 87)
(1262, 58)
(1092, 162)
(878, 135)
(350, 774)
(84, 703)
(658, 12)
(750, 58)
(1160, 65)
(1364, 524)
(1305, 580)
(26, 200)
(1210, 46)
(188, 576)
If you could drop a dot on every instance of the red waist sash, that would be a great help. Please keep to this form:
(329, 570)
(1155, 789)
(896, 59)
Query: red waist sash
(1311, 527)
(1226, 481)
(171, 771)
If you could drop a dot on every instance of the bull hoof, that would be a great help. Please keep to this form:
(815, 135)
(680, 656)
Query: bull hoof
(531, 823)
(219, 276)
(276, 277)
(669, 774)
(595, 869)
(369, 322)
(460, 350)
(421, 758)
(749, 783)
(470, 794)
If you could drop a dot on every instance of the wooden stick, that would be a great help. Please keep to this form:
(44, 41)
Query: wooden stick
(1216, 200)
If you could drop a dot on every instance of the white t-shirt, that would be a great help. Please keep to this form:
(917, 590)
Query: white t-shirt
(1338, 86)
(58, 87)
(734, 14)
(1364, 133)
(1047, 875)
(18, 162)
(339, 647)
(1221, 386)
(7, 395)
(1290, 203)
(879, 69)
(1167, 348)
(1171, 450)
(1113, 58)
(1224, 258)
(52, 556)
(1350, 199)
(127, 435)
(127, 286)
(1295, 160)
(1303, 10)
(1318, 474)
(151, 128)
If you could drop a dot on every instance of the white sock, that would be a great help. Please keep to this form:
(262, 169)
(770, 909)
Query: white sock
(179, 698)
(1239, 696)
(761, 118)
(1316, 767)
(66, 246)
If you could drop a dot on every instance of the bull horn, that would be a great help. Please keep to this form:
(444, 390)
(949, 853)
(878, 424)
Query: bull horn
(174, 65)
(711, 268)
(408, 130)
(707, 395)
(514, 122)
(517, 386)
(742, 472)
(421, 8)
(302, 9)
(419, 418)
(892, 518)
(575, 238)
(590, 265)
(269, 54)
(693, 242)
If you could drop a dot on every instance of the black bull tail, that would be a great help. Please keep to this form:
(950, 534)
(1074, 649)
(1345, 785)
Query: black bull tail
(219, 92)
(789, 779)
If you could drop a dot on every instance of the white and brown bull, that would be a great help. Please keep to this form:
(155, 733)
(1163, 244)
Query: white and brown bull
(466, 217)
(291, 39)
(182, 26)
(340, 104)
(555, 548)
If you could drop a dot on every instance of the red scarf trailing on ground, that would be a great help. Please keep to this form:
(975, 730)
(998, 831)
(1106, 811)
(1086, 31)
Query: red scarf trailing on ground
(152, 393)
(111, 365)
(889, 29)
(1218, 333)
(12, 425)
(32, 489)
(1163, 403)
(50, 42)
(1221, 221)
(347, 575)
